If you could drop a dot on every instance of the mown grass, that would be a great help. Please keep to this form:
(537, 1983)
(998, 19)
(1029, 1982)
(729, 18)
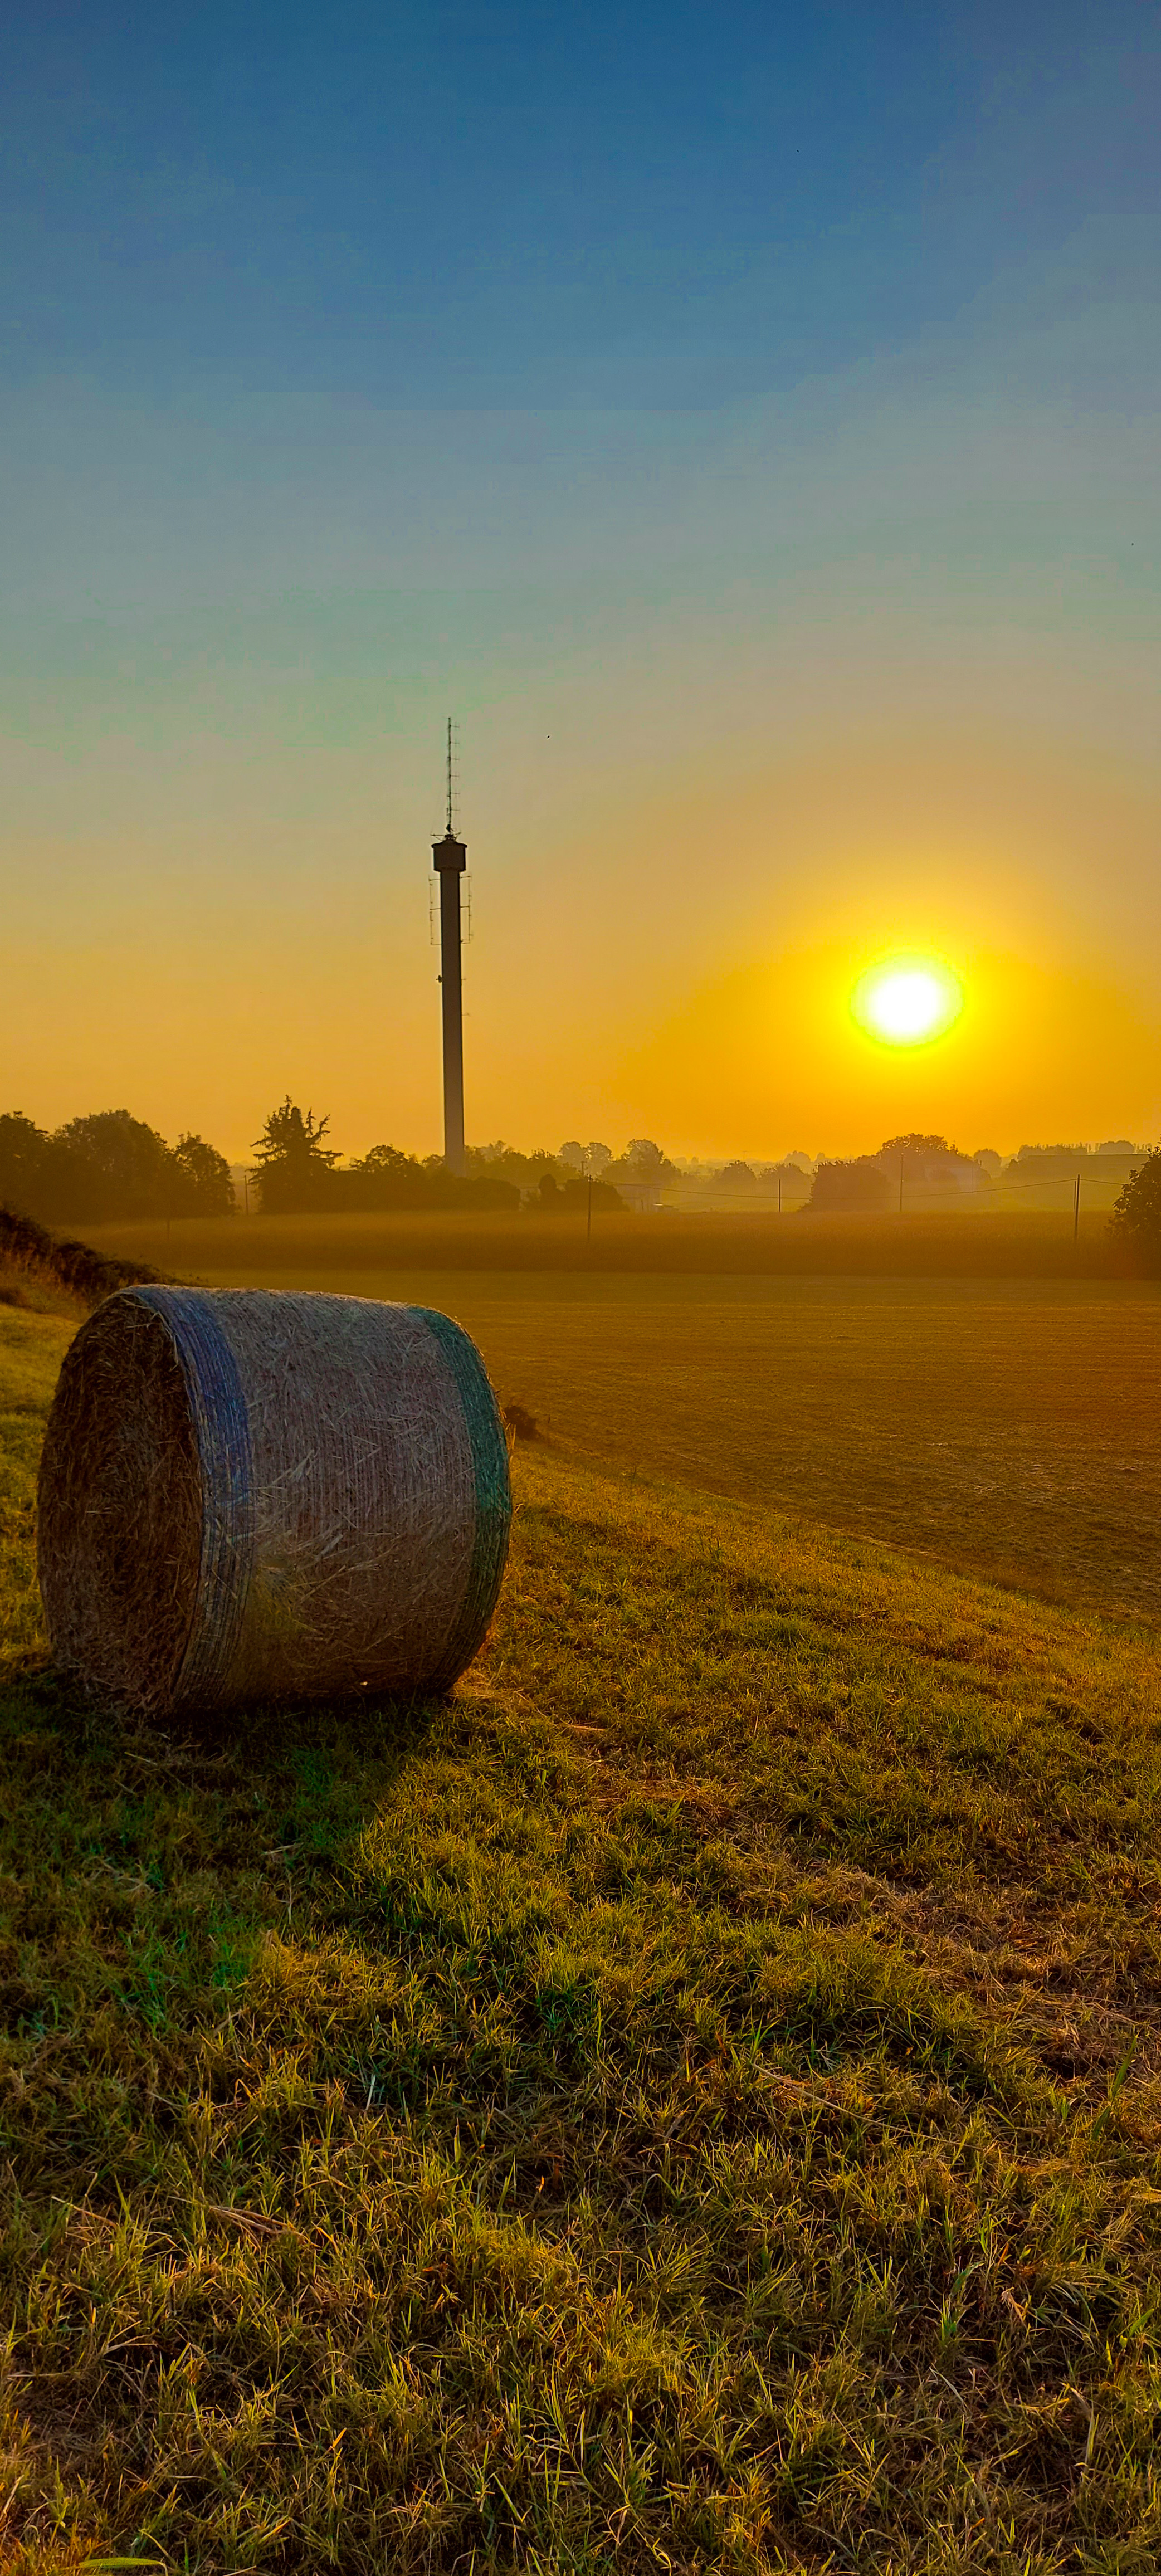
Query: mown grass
(689, 2101)
(936, 1245)
(34, 1335)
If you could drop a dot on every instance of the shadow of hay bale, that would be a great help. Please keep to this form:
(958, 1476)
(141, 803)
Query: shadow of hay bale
(278, 1791)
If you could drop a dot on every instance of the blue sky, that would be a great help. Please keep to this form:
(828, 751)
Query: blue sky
(744, 419)
(509, 206)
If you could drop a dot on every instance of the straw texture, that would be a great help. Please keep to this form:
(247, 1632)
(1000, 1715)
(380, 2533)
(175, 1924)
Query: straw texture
(248, 1494)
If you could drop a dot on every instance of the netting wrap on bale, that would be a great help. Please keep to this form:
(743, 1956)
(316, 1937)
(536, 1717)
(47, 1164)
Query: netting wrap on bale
(247, 1494)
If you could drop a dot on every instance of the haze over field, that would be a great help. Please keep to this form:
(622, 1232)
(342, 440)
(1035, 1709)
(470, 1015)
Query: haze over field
(746, 423)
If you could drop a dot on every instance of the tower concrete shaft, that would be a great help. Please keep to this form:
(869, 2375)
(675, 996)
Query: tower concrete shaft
(450, 858)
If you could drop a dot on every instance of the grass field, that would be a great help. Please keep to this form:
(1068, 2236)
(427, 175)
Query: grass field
(690, 2101)
(1009, 1424)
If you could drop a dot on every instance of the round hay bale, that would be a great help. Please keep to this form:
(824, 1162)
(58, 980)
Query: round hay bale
(247, 1494)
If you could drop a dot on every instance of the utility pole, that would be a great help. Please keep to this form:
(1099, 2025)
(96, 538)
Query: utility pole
(449, 859)
(1076, 1209)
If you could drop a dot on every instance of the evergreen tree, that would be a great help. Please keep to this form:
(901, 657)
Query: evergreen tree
(294, 1165)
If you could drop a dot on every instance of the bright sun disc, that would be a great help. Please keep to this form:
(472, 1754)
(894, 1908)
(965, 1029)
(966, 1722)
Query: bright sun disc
(907, 1001)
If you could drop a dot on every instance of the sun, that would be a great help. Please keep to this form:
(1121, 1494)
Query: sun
(907, 1001)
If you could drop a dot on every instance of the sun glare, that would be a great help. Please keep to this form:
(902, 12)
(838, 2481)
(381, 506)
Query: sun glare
(906, 1001)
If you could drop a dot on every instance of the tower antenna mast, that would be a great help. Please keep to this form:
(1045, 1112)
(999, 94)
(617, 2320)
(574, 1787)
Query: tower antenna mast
(449, 859)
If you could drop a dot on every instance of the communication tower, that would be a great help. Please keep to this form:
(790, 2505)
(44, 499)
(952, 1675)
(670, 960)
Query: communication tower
(449, 858)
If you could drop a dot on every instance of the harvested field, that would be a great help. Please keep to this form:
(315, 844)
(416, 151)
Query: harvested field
(930, 1246)
(1010, 1425)
(1012, 1430)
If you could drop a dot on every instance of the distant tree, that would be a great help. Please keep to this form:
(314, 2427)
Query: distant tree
(858, 1187)
(294, 1165)
(108, 1166)
(501, 1162)
(913, 1149)
(29, 1176)
(205, 1174)
(384, 1158)
(587, 1161)
(737, 1176)
(1136, 1216)
(384, 1177)
(642, 1161)
(1052, 1154)
(114, 1166)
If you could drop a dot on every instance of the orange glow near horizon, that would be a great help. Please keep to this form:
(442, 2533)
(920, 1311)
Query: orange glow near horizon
(686, 969)
(1037, 1053)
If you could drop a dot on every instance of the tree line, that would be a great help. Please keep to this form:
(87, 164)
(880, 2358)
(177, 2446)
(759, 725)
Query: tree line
(108, 1166)
(111, 1168)
(867, 1184)
(929, 1165)
(298, 1173)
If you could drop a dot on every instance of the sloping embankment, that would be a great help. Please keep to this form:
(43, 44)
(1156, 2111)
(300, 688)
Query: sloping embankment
(86, 1274)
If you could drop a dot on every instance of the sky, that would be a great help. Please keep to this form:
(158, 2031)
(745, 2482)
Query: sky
(741, 419)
